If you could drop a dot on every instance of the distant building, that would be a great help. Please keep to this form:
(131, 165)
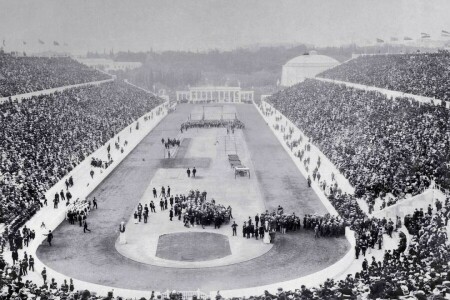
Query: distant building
(109, 64)
(305, 66)
(219, 94)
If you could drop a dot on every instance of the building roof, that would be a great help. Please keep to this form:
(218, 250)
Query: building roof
(311, 59)
(215, 88)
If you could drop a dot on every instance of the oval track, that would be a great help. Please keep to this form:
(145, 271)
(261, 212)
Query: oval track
(93, 258)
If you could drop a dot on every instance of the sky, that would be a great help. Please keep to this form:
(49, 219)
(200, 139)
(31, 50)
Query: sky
(141, 25)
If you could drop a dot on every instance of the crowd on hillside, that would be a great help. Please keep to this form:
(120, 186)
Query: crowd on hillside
(424, 74)
(20, 75)
(380, 145)
(45, 137)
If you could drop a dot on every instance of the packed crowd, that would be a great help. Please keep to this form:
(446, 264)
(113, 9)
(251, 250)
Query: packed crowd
(380, 145)
(103, 164)
(20, 75)
(424, 74)
(192, 209)
(195, 210)
(45, 137)
(370, 233)
(278, 221)
(229, 124)
(324, 226)
(170, 142)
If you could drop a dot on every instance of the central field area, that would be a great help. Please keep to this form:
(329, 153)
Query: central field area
(157, 248)
(193, 246)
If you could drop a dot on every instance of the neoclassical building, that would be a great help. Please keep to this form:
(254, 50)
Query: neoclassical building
(219, 94)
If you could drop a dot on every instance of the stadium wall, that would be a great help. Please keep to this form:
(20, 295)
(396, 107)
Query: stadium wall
(407, 206)
(50, 91)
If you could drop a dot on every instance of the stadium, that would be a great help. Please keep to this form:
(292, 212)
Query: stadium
(285, 172)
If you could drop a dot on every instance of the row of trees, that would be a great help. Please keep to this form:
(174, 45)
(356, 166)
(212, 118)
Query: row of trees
(259, 67)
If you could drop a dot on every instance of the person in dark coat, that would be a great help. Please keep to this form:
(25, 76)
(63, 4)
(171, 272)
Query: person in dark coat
(49, 237)
(31, 263)
(234, 226)
(171, 214)
(15, 256)
(188, 172)
(85, 227)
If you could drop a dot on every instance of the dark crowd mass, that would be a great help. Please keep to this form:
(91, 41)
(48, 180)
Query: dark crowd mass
(193, 209)
(380, 145)
(45, 137)
(280, 222)
(21, 75)
(229, 124)
(424, 74)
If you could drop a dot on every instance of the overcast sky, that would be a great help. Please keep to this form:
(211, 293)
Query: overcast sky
(224, 24)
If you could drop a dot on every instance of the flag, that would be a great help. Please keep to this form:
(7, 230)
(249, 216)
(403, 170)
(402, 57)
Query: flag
(445, 33)
(394, 39)
(55, 43)
(425, 35)
(380, 41)
(41, 42)
(4, 43)
(407, 38)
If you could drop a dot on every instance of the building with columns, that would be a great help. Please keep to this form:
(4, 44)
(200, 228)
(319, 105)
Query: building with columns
(218, 94)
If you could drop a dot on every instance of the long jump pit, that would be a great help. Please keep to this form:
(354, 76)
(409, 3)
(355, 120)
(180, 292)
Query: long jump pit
(164, 255)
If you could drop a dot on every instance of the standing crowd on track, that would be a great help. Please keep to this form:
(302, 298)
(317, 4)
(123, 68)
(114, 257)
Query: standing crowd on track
(278, 221)
(233, 124)
(192, 209)
(170, 143)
